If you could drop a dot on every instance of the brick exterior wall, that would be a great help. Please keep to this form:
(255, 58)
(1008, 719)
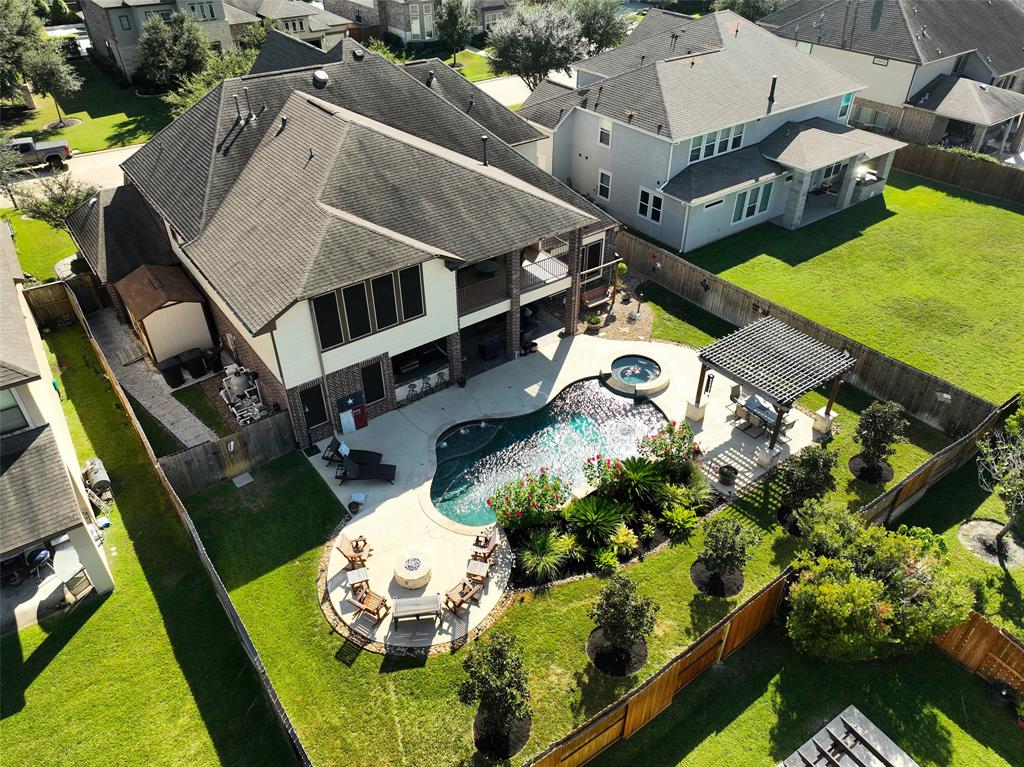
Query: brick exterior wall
(894, 113)
(271, 388)
(922, 127)
(572, 299)
(359, 13)
(513, 318)
(454, 351)
(117, 303)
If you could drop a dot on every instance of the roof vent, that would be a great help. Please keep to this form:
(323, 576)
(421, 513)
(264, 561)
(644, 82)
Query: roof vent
(430, 77)
(358, 54)
(248, 105)
(483, 140)
(320, 79)
(238, 111)
(284, 123)
(154, 280)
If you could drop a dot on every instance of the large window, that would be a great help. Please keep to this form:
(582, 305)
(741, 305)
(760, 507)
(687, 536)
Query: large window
(804, 46)
(125, 22)
(368, 307)
(752, 202)
(716, 142)
(373, 382)
(11, 417)
(421, 20)
(650, 205)
(357, 311)
(491, 18)
(202, 11)
(960, 64)
(844, 108)
(604, 184)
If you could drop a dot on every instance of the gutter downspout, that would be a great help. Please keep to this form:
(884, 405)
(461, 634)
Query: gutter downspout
(686, 226)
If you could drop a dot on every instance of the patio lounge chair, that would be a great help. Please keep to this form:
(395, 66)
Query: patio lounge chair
(356, 471)
(370, 603)
(355, 551)
(333, 454)
(485, 545)
(457, 597)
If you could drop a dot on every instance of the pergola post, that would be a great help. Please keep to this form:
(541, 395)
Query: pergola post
(832, 395)
(779, 417)
(700, 384)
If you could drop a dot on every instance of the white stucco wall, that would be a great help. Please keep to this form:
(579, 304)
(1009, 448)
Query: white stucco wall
(887, 84)
(928, 72)
(538, 152)
(175, 328)
(707, 225)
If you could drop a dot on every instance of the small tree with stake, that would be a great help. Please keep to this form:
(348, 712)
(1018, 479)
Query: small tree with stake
(49, 73)
(727, 544)
(808, 476)
(624, 617)
(497, 680)
(880, 427)
(454, 26)
(1001, 471)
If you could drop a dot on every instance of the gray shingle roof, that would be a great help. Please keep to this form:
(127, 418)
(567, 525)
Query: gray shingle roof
(8, 252)
(814, 143)
(918, 31)
(465, 96)
(290, 9)
(17, 358)
(720, 175)
(37, 500)
(280, 51)
(687, 96)
(116, 233)
(233, 15)
(961, 98)
(367, 200)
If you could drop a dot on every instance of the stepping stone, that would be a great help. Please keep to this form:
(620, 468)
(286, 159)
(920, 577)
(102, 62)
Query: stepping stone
(242, 479)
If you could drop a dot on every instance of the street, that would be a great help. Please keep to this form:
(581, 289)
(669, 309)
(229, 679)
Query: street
(99, 168)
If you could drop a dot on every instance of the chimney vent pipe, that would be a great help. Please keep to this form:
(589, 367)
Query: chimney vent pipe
(483, 140)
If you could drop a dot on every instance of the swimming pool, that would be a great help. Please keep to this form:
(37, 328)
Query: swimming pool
(586, 418)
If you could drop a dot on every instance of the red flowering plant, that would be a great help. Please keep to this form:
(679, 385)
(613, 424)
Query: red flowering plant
(673, 448)
(603, 474)
(533, 499)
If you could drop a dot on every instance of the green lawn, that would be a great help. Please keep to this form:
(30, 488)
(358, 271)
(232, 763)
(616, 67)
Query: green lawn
(474, 66)
(111, 116)
(39, 245)
(929, 274)
(195, 399)
(269, 565)
(161, 440)
(945, 507)
(153, 673)
(679, 321)
(765, 701)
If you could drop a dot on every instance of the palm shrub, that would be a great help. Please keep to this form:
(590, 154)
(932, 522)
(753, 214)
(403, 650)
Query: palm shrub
(727, 544)
(605, 561)
(636, 481)
(880, 427)
(679, 520)
(808, 475)
(623, 541)
(544, 554)
(673, 450)
(593, 519)
(624, 617)
(496, 678)
(533, 499)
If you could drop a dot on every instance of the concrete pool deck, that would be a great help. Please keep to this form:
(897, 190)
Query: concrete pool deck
(400, 518)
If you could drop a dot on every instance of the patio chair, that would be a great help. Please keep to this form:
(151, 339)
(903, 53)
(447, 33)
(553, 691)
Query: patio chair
(463, 592)
(351, 470)
(334, 453)
(735, 393)
(369, 603)
(355, 551)
(485, 545)
(756, 422)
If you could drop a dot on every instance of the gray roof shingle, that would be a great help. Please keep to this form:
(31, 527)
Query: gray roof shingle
(720, 175)
(37, 500)
(689, 95)
(961, 98)
(280, 51)
(918, 31)
(814, 143)
(17, 357)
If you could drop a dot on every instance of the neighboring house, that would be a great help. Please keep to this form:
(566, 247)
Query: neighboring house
(282, 51)
(114, 26)
(413, 21)
(947, 71)
(353, 234)
(42, 496)
(695, 129)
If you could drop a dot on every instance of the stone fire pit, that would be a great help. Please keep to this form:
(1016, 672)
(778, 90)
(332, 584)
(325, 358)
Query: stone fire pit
(412, 570)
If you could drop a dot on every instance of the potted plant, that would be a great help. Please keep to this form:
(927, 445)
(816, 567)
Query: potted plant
(593, 321)
(461, 381)
(727, 473)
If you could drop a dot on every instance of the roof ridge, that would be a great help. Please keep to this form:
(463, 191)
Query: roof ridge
(205, 213)
(900, 4)
(412, 242)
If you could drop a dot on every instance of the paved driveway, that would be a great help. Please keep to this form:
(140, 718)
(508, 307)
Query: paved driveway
(99, 168)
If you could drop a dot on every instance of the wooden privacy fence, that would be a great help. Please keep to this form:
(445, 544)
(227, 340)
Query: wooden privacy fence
(1003, 181)
(984, 648)
(198, 467)
(623, 718)
(223, 597)
(51, 305)
(901, 496)
(929, 398)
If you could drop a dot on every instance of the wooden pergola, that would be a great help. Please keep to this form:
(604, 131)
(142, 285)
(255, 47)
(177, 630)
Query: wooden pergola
(777, 361)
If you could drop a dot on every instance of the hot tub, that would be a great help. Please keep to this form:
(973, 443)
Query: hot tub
(636, 376)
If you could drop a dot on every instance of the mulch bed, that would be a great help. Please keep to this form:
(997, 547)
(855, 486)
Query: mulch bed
(501, 747)
(979, 537)
(67, 122)
(873, 475)
(609, 661)
(728, 585)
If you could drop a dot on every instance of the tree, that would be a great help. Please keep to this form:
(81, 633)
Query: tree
(880, 427)
(1001, 471)
(55, 197)
(49, 73)
(533, 40)
(749, 9)
(727, 544)
(865, 592)
(624, 617)
(497, 680)
(171, 51)
(255, 35)
(382, 48)
(41, 9)
(9, 168)
(807, 476)
(218, 68)
(454, 26)
(601, 26)
(20, 33)
(60, 13)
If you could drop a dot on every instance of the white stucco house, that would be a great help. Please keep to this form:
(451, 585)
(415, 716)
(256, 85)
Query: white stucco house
(949, 71)
(695, 129)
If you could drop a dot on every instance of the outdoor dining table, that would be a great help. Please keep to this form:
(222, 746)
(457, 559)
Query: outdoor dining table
(760, 407)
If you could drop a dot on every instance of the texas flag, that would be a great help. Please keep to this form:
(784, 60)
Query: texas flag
(352, 412)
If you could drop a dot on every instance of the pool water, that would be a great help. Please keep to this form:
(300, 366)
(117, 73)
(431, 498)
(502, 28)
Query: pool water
(473, 460)
(635, 369)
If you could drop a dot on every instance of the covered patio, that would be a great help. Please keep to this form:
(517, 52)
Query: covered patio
(773, 365)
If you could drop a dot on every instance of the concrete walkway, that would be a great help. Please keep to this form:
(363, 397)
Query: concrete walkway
(399, 519)
(146, 385)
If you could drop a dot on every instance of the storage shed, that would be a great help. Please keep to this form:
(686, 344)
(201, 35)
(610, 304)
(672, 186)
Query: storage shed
(166, 310)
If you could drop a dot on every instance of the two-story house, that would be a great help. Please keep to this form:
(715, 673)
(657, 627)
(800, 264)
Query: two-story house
(413, 20)
(43, 502)
(359, 237)
(948, 71)
(114, 26)
(695, 129)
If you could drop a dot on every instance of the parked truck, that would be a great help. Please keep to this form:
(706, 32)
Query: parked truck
(32, 152)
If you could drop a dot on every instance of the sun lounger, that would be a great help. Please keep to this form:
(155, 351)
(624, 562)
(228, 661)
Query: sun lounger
(333, 454)
(457, 597)
(415, 608)
(357, 471)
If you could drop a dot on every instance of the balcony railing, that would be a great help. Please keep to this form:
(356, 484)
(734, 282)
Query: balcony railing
(482, 293)
(541, 271)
